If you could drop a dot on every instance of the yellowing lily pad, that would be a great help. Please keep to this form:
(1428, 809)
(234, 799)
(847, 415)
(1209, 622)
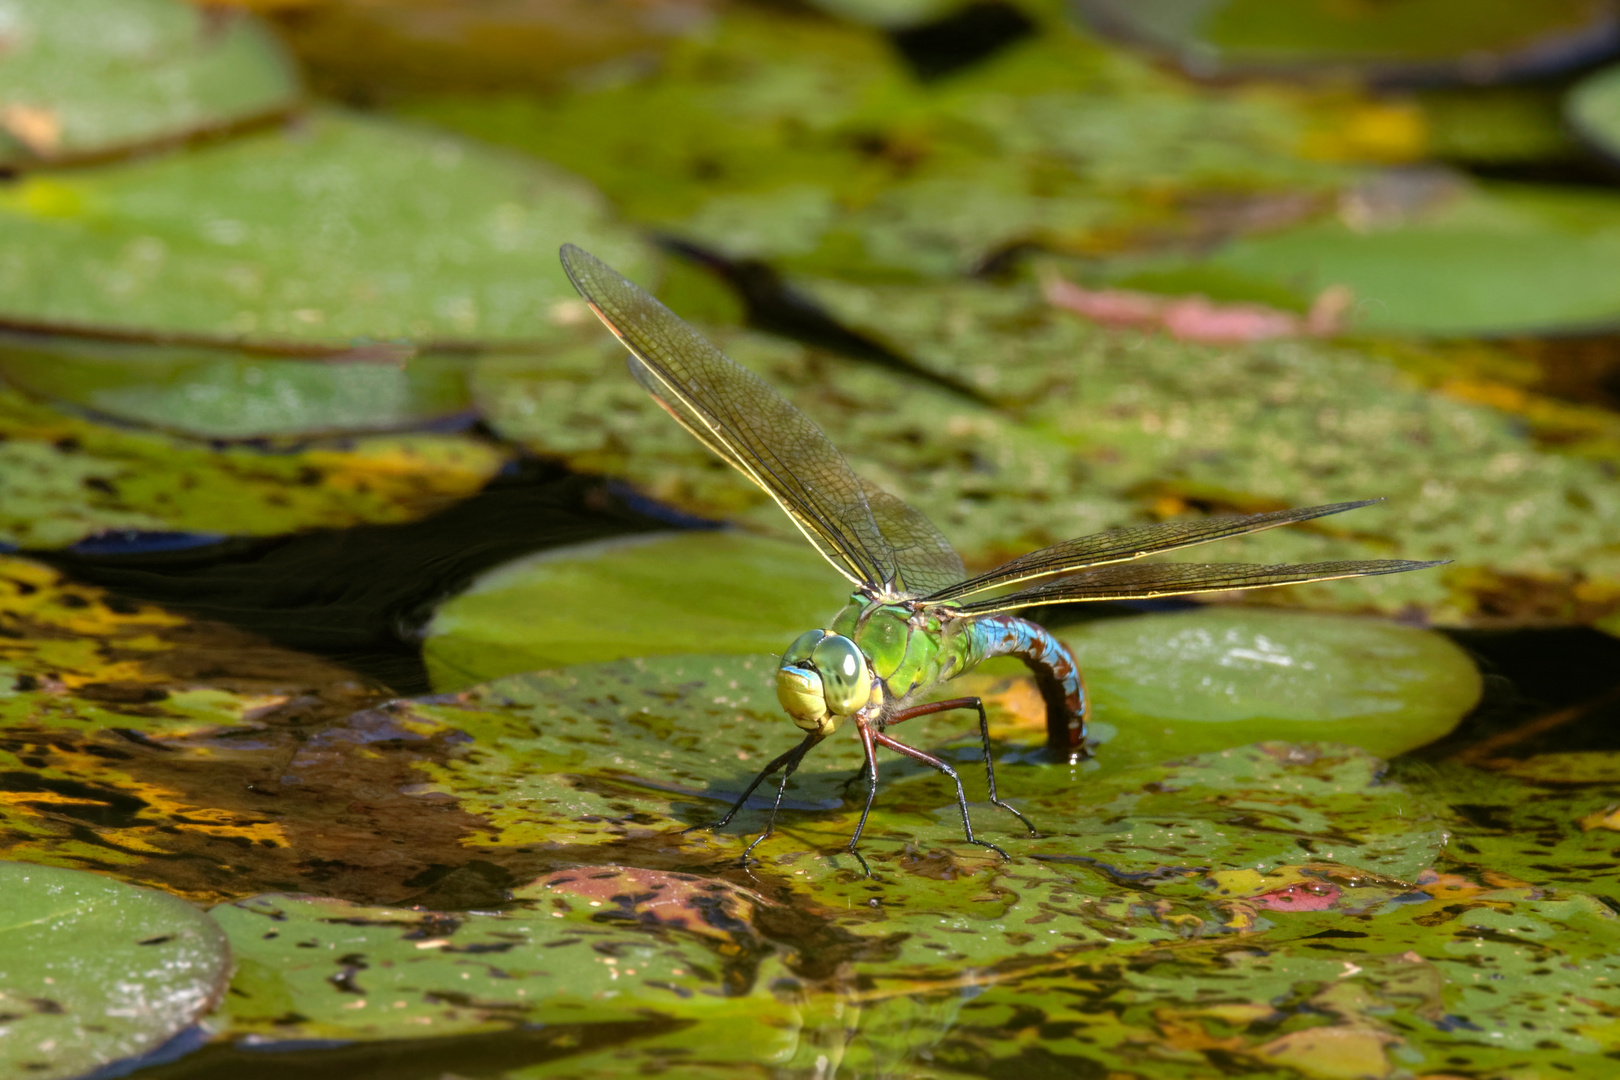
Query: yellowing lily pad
(93, 971)
(63, 479)
(88, 78)
(640, 596)
(320, 234)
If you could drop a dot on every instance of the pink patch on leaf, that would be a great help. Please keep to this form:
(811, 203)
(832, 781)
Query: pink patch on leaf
(1316, 896)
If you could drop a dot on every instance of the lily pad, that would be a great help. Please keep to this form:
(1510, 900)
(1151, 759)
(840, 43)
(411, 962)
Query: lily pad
(1459, 260)
(810, 143)
(224, 394)
(642, 596)
(309, 967)
(1206, 680)
(1593, 110)
(96, 77)
(325, 233)
(1099, 430)
(1469, 41)
(63, 479)
(93, 971)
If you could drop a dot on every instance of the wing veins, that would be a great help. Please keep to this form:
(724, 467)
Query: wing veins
(1184, 579)
(1129, 544)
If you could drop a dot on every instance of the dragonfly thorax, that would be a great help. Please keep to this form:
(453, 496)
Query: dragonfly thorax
(823, 680)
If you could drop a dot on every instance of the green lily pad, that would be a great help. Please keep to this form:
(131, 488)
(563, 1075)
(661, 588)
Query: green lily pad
(1593, 110)
(1100, 430)
(641, 596)
(1454, 260)
(222, 394)
(1470, 41)
(1206, 680)
(318, 235)
(63, 479)
(810, 143)
(309, 967)
(96, 77)
(93, 971)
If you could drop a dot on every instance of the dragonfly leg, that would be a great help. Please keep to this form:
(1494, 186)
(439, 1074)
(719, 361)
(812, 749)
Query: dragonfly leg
(867, 738)
(776, 763)
(984, 736)
(933, 762)
(792, 757)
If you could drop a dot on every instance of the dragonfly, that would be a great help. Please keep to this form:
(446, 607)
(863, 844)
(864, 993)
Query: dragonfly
(915, 619)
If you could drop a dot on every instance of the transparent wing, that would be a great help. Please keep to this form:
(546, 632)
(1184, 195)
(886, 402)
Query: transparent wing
(1124, 545)
(740, 417)
(926, 560)
(1182, 579)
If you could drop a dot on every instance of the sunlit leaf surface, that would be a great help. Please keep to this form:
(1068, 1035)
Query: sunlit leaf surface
(93, 77)
(642, 596)
(63, 478)
(92, 970)
(321, 233)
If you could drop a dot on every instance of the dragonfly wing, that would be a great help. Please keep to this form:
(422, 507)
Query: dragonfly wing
(925, 559)
(1124, 545)
(739, 416)
(1182, 579)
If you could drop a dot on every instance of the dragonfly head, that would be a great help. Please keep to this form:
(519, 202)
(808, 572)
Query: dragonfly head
(823, 680)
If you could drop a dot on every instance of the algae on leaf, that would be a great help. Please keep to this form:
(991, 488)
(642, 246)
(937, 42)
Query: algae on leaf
(93, 971)
(91, 78)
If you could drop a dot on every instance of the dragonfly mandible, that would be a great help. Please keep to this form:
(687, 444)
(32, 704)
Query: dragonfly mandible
(915, 619)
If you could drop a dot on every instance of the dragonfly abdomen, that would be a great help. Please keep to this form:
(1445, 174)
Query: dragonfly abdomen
(1057, 675)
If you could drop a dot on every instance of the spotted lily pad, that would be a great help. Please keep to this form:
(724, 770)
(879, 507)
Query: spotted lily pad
(1099, 430)
(223, 394)
(317, 235)
(1593, 110)
(63, 479)
(642, 596)
(90, 78)
(309, 967)
(93, 971)
(1470, 41)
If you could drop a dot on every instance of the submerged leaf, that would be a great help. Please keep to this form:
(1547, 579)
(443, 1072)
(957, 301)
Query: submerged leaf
(93, 971)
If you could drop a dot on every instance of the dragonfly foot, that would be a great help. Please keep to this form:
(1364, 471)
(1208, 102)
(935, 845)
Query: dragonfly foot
(1033, 831)
(985, 843)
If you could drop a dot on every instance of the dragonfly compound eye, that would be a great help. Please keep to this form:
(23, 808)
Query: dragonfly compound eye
(799, 652)
(844, 677)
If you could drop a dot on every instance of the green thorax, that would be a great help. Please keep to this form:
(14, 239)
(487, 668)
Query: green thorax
(906, 647)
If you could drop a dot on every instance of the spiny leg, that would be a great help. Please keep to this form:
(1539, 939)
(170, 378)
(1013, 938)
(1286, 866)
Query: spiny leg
(865, 732)
(776, 763)
(933, 762)
(793, 757)
(984, 735)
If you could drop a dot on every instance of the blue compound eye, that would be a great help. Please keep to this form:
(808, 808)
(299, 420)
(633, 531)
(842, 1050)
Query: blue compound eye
(844, 677)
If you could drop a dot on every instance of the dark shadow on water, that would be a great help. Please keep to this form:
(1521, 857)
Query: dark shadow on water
(359, 596)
